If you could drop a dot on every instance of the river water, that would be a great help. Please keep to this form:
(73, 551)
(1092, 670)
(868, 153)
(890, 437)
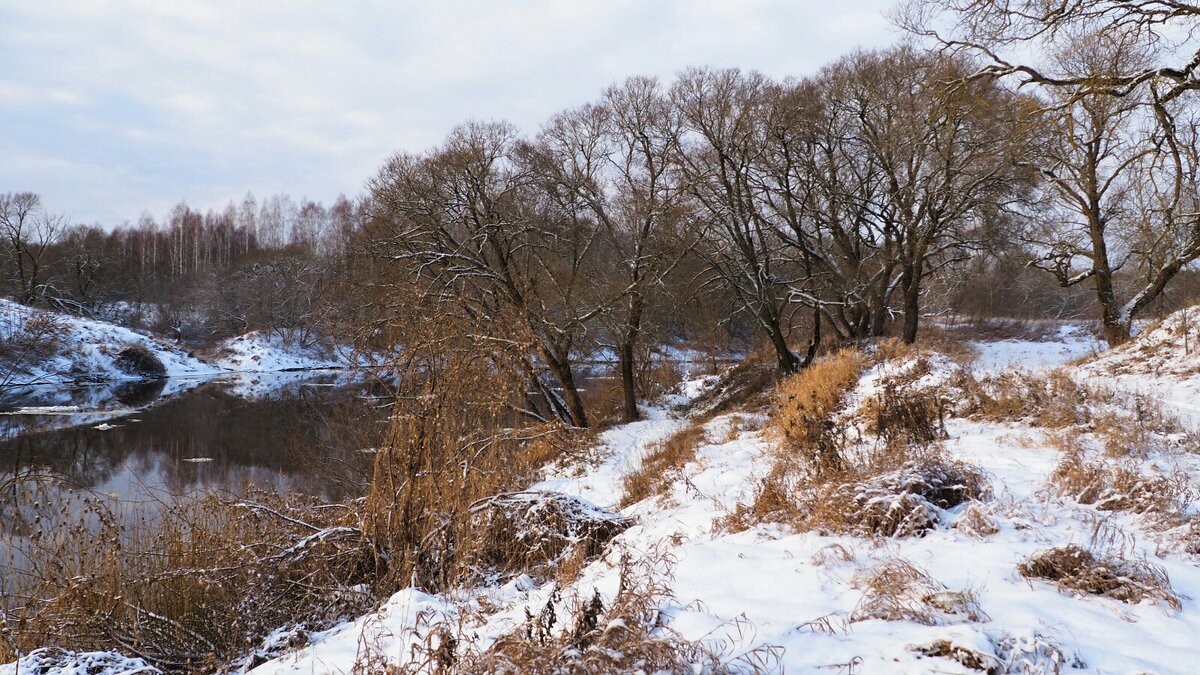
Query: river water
(310, 433)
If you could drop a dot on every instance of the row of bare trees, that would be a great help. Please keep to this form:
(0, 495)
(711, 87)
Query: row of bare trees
(197, 275)
(811, 210)
(821, 206)
(820, 202)
(1118, 143)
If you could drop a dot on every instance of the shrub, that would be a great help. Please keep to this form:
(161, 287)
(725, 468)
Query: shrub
(904, 502)
(1076, 569)
(901, 413)
(532, 532)
(138, 360)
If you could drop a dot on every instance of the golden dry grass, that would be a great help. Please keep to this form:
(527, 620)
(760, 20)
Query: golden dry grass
(804, 405)
(1074, 569)
(661, 464)
(898, 590)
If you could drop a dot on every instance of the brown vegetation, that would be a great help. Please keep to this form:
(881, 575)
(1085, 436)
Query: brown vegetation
(584, 634)
(1076, 569)
(804, 406)
(661, 464)
(900, 591)
(138, 360)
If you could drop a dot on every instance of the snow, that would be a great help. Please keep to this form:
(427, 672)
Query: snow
(801, 593)
(1164, 361)
(256, 352)
(52, 661)
(797, 591)
(87, 349)
(1071, 342)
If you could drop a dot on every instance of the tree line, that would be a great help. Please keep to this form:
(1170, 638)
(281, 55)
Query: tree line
(822, 208)
(200, 276)
(725, 204)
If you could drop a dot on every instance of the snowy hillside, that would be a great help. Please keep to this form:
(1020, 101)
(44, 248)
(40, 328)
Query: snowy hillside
(1075, 550)
(256, 352)
(48, 348)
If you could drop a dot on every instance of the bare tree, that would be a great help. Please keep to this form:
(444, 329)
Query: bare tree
(28, 230)
(1115, 78)
(616, 159)
(723, 113)
(1005, 33)
(479, 237)
(947, 151)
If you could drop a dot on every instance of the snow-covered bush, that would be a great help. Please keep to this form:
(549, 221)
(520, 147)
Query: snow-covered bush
(533, 532)
(1075, 569)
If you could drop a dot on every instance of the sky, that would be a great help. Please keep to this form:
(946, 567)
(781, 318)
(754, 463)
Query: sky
(112, 108)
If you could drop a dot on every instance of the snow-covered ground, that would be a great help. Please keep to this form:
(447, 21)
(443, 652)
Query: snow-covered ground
(71, 348)
(49, 348)
(799, 596)
(799, 591)
(258, 352)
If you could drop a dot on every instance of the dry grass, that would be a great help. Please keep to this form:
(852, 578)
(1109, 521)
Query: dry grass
(900, 591)
(196, 585)
(586, 634)
(1074, 569)
(662, 463)
(1051, 401)
(969, 658)
(804, 406)
(202, 582)
(823, 478)
(974, 522)
(903, 412)
(932, 340)
(1115, 485)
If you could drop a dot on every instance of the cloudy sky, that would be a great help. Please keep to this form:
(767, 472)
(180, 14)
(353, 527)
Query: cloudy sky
(109, 108)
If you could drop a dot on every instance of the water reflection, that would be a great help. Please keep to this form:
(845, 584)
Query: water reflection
(224, 435)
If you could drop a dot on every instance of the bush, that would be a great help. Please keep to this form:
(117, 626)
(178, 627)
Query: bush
(1076, 569)
(140, 361)
(533, 532)
(905, 502)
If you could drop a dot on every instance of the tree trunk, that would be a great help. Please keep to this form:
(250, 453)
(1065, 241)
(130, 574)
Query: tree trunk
(561, 368)
(784, 357)
(631, 413)
(910, 282)
(633, 329)
(1116, 328)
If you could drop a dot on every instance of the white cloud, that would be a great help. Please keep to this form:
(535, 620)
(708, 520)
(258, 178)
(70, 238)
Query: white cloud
(206, 100)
